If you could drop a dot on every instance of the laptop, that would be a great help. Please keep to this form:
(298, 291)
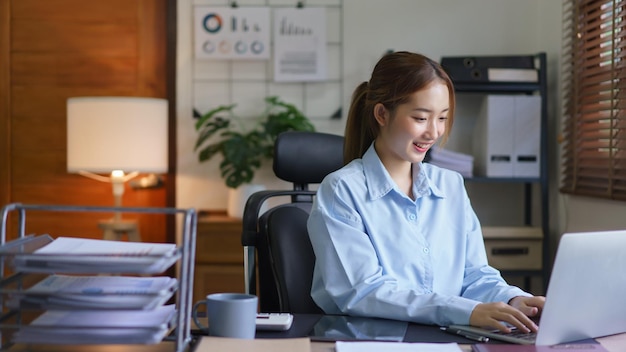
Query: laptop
(586, 296)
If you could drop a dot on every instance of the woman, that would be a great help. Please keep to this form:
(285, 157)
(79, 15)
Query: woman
(397, 238)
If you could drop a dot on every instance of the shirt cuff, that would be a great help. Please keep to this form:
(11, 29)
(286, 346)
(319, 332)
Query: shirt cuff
(458, 310)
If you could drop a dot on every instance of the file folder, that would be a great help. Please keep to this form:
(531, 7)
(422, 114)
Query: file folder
(508, 136)
(527, 142)
(493, 147)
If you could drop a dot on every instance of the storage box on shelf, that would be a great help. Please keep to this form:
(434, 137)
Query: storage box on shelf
(74, 291)
(514, 248)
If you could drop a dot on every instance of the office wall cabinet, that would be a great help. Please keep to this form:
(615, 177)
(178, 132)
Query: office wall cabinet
(219, 256)
(514, 114)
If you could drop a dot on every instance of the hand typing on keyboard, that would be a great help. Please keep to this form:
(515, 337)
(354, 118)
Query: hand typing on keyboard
(518, 314)
(530, 336)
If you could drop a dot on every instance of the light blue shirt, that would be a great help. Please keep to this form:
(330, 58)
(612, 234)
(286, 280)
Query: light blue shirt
(381, 254)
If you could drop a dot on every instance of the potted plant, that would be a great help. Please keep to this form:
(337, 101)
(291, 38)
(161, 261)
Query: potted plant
(245, 145)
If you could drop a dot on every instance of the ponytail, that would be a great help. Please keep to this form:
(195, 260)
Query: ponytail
(358, 136)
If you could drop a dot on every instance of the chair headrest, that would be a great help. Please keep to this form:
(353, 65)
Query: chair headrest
(307, 157)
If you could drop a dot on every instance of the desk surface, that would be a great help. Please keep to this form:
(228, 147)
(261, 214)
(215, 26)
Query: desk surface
(301, 326)
(614, 343)
(416, 333)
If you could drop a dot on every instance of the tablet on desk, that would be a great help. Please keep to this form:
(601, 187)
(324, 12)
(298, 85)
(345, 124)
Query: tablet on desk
(347, 328)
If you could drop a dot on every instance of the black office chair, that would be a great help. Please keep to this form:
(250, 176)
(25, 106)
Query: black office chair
(279, 236)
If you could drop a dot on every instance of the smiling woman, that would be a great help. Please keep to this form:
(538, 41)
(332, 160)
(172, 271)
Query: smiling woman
(395, 237)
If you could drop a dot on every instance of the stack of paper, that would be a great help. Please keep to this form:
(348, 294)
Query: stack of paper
(63, 297)
(447, 159)
(95, 292)
(80, 255)
(96, 327)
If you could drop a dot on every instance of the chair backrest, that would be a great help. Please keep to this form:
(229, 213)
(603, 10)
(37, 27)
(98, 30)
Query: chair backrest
(278, 240)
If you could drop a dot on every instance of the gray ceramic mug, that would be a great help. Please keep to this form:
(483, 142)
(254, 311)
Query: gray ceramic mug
(230, 315)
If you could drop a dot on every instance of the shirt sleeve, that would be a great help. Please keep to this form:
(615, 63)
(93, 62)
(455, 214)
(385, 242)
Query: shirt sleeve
(482, 282)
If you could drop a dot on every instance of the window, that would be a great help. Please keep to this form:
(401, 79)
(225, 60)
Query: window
(594, 88)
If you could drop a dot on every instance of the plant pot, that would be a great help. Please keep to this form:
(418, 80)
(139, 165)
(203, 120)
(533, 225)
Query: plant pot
(238, 197)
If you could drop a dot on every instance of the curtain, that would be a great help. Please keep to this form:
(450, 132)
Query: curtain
(594, 88)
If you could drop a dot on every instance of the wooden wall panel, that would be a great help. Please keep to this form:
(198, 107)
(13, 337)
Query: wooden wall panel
(150, 72)
(39, 138)
(99, 38)
(65, 48)
(30, 100)
(72, 10)
(67, 70)
(5, 104)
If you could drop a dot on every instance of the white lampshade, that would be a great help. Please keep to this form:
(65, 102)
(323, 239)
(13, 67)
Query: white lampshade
(117, 133)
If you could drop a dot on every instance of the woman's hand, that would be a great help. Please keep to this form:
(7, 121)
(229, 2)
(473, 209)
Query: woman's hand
(516, 313)
(531, 306)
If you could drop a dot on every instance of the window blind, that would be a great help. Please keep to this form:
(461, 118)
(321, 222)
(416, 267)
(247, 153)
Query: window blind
(594, 89)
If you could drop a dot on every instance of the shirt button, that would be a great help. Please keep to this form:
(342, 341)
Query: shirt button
(412, 217)
(426, 250)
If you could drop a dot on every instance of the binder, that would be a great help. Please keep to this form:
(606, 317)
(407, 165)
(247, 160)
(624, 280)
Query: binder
(508, 136)
(527, 141)
(493, 147)
(490, 69)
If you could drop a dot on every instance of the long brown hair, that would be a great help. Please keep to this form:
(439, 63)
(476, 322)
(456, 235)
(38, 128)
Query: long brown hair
(395, 78)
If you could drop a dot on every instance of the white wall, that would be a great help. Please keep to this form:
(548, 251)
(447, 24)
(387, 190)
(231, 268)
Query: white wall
(205, 84)
(436, 28)
(433, 27)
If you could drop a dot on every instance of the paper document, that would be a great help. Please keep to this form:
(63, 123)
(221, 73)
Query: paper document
(120, 326)
(447, 159)
(376, 346)
(80, 255)
(95, 292)
(210, 344)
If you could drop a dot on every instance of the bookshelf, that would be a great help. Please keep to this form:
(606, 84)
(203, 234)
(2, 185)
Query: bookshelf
(518, 251)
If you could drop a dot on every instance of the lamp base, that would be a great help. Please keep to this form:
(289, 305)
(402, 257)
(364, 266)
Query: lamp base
(115, 230)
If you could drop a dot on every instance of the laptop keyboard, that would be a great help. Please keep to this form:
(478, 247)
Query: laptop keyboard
(527, 336)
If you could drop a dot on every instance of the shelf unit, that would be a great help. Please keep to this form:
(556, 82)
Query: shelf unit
(527, 88)
(20, 252)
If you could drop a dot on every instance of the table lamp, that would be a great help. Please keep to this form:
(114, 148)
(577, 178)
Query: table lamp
(117, 136)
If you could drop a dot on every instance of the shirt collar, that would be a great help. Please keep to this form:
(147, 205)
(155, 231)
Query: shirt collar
(380, 182)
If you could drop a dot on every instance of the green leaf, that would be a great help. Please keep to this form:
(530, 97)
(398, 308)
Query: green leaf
(209, 151)
(210, 129)
(212, 113)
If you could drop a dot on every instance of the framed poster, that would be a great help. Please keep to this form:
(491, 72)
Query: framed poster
(300, 44)
(232, 33)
